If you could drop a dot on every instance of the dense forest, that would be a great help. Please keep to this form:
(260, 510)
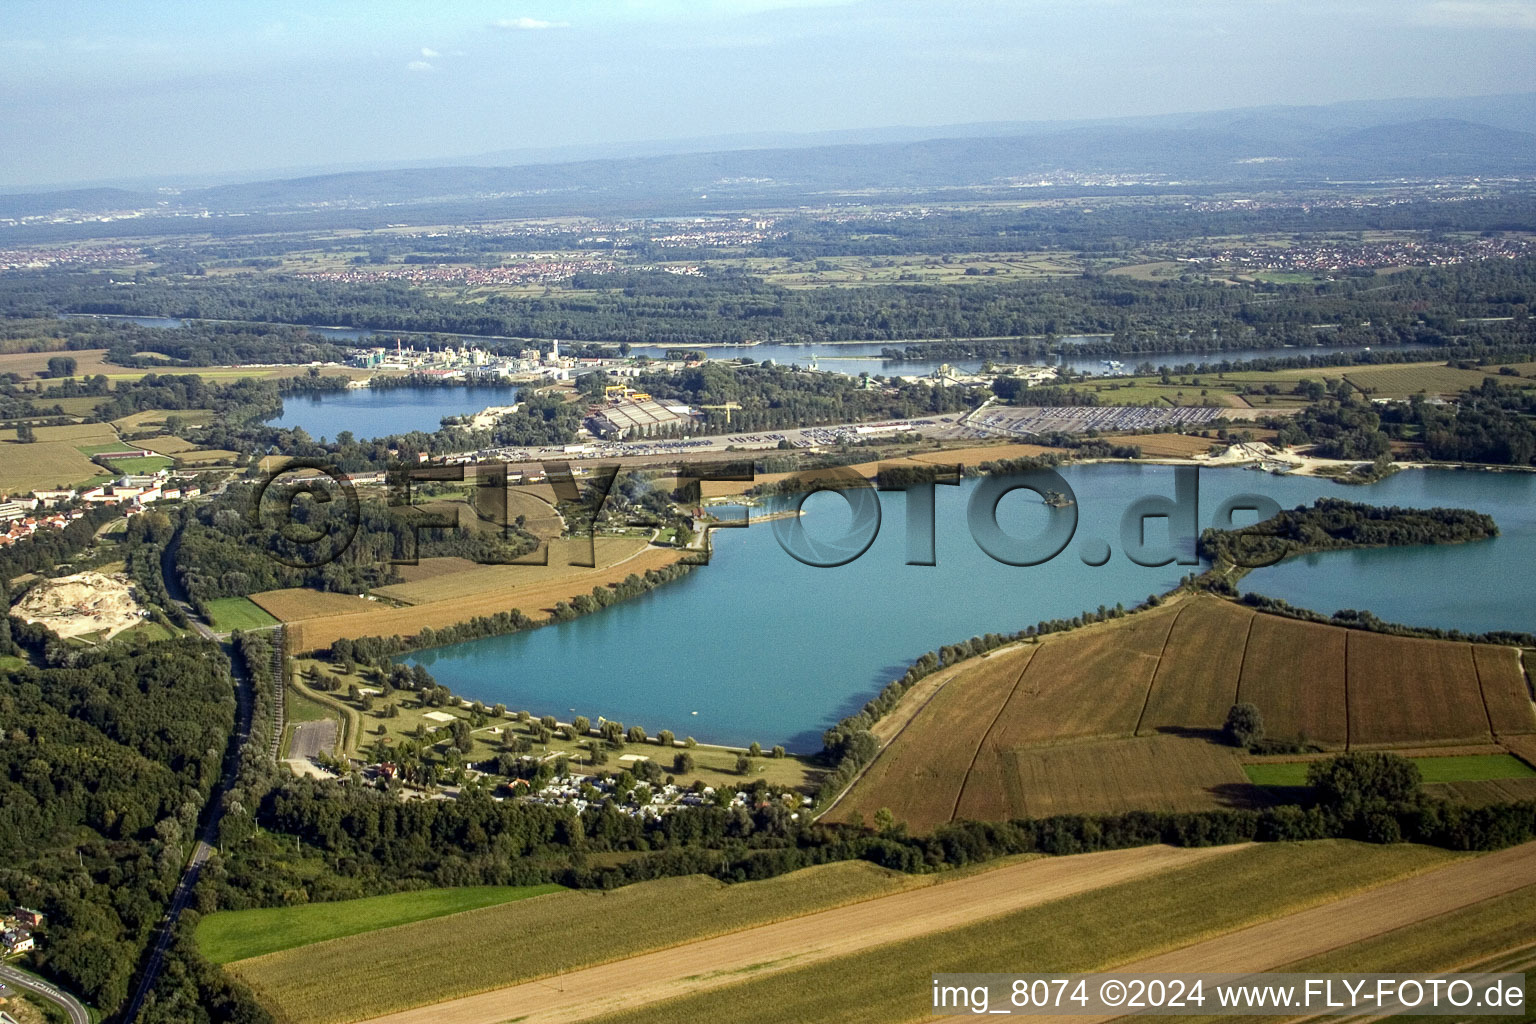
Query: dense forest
(104, 768)
(1433, 306)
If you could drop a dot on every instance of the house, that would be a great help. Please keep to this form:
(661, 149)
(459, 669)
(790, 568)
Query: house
(30, 918)
(16, 940)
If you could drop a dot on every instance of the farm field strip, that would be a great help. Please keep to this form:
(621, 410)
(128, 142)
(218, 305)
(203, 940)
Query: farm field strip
(1343, 922)
(1446, 704)
(715, 962)
(1502, 680)
(533, 599)
(1294, 672)
(380, 972)
(1149, 773)
(925, 779)
(1086, 931)
(1047, 705)
(240, 934)
(1462, 768)
(1197, 674)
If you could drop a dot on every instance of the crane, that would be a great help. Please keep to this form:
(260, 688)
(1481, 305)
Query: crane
(726, 407)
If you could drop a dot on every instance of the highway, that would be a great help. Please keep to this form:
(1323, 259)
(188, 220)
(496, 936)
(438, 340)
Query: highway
(32, 983)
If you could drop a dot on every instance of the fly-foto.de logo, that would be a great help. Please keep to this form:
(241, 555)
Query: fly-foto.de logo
(311, 515)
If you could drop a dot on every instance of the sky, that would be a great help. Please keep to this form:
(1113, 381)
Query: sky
(93, 91)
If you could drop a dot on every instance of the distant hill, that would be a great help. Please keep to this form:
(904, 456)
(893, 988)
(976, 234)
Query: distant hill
(1380, 140)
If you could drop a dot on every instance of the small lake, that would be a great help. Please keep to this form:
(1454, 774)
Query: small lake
(380, 412)
(756, 646)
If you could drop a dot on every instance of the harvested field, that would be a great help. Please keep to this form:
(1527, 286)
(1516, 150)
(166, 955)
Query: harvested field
(1173, 672)
(206, 456)
(1086, 684)
(715, 963)
(1355, 918)
(1197, 676)
(540, 518)
(166, 444)
(1082, 685)
(1151, 773)
(1178, 446)
(150, 418)
(1482, 792)
(923, 779)
(1523, 747)
(534, 599)
(80, 433)
(1405, 380)
(482, 579)
(1403, 690)
(1082, 932)
(1502, 679)
(44, 465)
(379, 971)
(88, 362)
(296, 603)
(1294, 673)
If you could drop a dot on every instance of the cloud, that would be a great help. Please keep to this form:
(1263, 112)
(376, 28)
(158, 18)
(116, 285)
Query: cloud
(1515, 14)
(429, 53)
(528, 24)
(419, 65)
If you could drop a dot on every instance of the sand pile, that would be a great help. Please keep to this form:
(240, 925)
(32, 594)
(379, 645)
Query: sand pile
(85, 603)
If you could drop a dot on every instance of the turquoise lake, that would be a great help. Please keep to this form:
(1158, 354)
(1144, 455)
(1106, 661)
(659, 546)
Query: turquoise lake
(757, 646)
(379, 412)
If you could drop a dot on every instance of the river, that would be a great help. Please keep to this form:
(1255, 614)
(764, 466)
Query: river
(851, 358)
(756, 646)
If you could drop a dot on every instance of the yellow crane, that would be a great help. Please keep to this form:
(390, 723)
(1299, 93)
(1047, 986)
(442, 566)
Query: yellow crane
(727, 407)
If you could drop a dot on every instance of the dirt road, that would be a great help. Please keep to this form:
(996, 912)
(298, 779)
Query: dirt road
(1308, 933)
(697, 966)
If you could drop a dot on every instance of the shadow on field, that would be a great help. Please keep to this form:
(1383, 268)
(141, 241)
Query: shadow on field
(1250, 796)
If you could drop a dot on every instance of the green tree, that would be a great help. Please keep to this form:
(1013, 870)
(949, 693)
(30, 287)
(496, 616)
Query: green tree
(1245, 726)
(62, 366)
(682, 762)
(743, 765)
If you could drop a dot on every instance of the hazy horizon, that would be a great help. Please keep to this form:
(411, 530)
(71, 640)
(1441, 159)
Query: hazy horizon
(177, 89)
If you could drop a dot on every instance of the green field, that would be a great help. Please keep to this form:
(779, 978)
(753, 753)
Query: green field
(1089, 932)
(238, 934)
(362, 976)
(1461, 768)
(228, 613)
(142, 464)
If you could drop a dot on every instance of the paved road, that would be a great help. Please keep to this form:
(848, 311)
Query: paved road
(32, 983)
